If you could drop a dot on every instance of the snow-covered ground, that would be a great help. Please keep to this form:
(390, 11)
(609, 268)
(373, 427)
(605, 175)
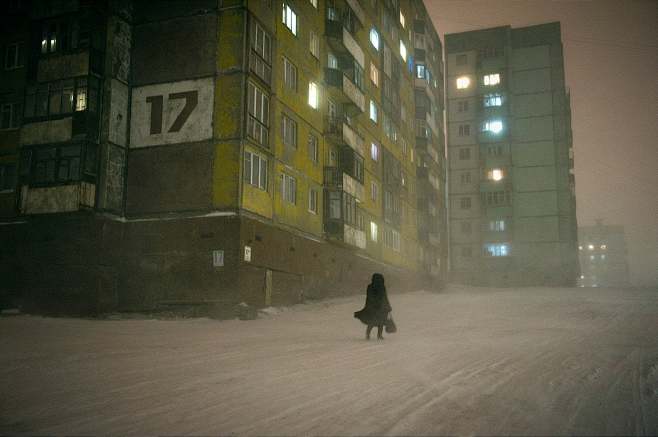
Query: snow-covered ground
(467, 361)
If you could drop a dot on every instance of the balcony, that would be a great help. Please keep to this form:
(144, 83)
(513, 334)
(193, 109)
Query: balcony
(352, 96)
(339, 131)
(335, 177)
(342, 42)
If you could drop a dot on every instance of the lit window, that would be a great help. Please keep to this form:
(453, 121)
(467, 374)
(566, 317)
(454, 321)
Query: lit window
(402, 20)
(591, 257)
(603, 256)
(373, 111)
(492, 79)
(289, 18)
(463, 82)
(313, 95)
(374, 151)
(580, 247)
(495, 126)
(582, 276)
(374, 38)
(420, 71)
(604, 247)
(373, 231)
(493, 100)
(314, 3)
(495, 174)
(496, 250)
(590, 247)
(403, 51)
(497, 225)
(332, 61)
(374, 74)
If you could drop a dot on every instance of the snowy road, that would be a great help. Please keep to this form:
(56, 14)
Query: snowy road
(469, 361)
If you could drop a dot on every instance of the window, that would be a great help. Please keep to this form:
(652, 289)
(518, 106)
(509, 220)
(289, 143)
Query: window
(312, 201)
(332, 61)
(463, 82)
(260, 58)
(334, 205)
(289, 188)
(49, 38)
(403, 51)
(403, 21)
(462, 59)
(494, 126)
(465, 203)
(373, 111)
(373, 191)
(374, 151)
(62, 97)
(258, 107)
(255, 170)
(374, 74)
(314, 43)
(496, 198)
(495, 174)
(496, 249)
(9, 116)
(52, 164)
(495, 150)
(497, 225)
(13, 56)
(7, 177)
(289, 131)
(420, 71)
(314, 3)
(392, 239)
(374, 38)
(462, 105)
(313, 149)
(492, 79)
(373, 232)
(493, 100)
(289, 75)
(289, 18)
(466, 227)
(466, 177)
(349, 209)
(313, 98)
(464, 130)
(464, 153)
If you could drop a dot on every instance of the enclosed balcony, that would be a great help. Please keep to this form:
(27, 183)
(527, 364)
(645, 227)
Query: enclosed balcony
(342, 218)
(351, 96)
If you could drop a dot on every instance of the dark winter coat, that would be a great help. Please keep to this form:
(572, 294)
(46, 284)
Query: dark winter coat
(377, 305)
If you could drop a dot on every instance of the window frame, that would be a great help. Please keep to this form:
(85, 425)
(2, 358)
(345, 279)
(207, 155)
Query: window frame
(261, 121)
(289, 131)
(256, 161)
(312, 201)
(18, 58)
(289, 18)
(289, 188)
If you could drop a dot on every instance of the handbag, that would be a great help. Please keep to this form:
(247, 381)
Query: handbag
(389, 325)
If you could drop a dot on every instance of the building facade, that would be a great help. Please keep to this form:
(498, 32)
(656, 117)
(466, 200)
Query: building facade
(602, 252)
(511, 188)
(214, 152)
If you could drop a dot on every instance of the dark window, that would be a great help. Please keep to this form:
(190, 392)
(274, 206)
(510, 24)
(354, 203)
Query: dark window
(58, 164)
(7, 177)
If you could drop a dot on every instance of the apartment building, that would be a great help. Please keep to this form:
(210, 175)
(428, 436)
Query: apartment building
(603, 256)
(511, 188)
(213, 152)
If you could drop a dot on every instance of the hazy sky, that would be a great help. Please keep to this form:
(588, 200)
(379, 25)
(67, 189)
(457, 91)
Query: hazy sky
(611, 65)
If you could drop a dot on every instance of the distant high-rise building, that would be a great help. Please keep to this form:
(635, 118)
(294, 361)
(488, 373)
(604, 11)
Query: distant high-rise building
(602, 250)
(512, 206)
(218, 151)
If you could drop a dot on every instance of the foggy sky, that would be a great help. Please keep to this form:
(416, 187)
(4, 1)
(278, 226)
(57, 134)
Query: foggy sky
(611, 66)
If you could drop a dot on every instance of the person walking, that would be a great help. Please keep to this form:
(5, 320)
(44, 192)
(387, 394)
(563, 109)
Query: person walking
(377, 307)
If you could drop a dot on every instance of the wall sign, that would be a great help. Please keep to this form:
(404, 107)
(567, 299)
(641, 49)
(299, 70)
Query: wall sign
(171, 113)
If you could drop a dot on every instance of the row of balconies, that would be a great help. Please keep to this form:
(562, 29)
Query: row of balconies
(353, 98)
